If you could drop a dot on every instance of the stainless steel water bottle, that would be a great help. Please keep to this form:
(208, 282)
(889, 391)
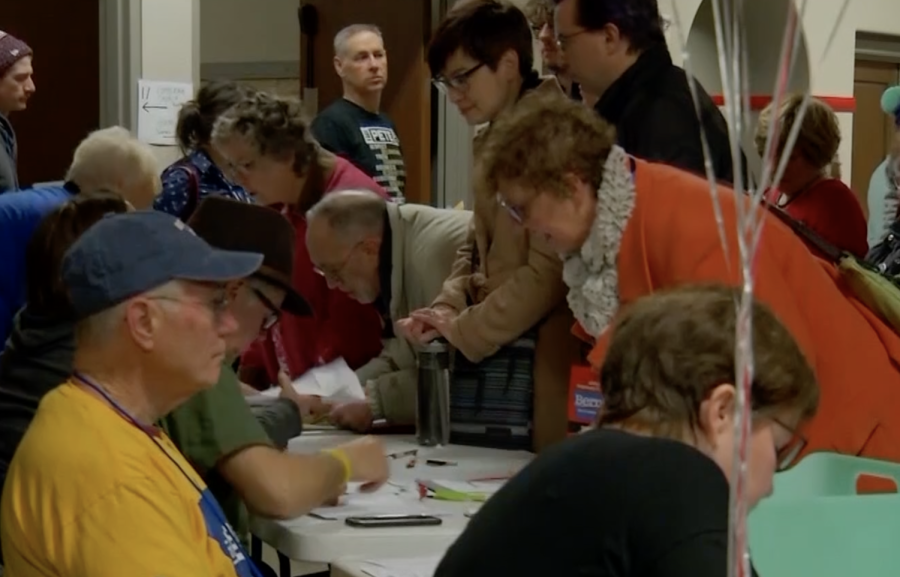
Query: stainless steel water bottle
(433, 394)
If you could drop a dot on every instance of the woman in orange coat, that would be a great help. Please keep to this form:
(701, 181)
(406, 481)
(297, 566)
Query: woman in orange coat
(626, 227)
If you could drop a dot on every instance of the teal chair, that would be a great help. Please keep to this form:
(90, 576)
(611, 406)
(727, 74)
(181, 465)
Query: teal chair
(838, 536)
(815, 524)
(831, 475)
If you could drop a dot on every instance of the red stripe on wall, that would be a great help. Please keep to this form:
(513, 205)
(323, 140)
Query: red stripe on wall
(760, 101)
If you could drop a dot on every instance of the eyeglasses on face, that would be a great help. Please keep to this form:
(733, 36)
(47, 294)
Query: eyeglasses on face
(516, 212)
(787, 454)
(335, 273)
(274, 312)
(563, 40)
(217, 304)
(458, 81)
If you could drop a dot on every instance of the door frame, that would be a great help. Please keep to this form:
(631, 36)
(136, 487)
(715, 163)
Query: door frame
(877, 47)
(120, 62)
(452, 167)
(872, 47)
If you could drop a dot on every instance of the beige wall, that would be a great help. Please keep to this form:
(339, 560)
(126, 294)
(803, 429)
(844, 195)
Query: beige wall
(170, 48)
(830, 74)
(252, 41)
(248, 36)
(249, 31)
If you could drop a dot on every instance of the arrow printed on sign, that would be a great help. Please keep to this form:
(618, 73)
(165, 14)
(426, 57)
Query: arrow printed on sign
(149, 107)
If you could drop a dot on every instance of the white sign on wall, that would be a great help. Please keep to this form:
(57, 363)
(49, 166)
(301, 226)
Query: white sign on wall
(158, 107)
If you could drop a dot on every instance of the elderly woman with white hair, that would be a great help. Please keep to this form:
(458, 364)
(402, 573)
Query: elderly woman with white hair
(109, 160)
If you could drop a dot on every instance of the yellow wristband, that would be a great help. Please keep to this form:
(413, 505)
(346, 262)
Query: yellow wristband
(344, 460)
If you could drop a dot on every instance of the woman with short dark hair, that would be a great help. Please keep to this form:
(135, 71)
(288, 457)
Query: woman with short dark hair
(504, 298)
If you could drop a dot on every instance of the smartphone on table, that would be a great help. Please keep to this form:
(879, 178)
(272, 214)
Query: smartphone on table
(379, 521)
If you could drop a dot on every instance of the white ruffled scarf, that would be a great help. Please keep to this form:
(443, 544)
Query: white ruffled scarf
(592, 273)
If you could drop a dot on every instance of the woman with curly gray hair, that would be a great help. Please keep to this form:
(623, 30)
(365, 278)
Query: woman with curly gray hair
(268, 144)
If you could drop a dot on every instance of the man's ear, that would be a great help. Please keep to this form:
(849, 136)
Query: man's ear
(716, 415)
(142, 323)
(338, 67)
(371, 245)
(612, 37)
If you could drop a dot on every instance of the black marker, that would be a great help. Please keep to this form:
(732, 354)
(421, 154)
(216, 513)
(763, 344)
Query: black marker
(440, 463)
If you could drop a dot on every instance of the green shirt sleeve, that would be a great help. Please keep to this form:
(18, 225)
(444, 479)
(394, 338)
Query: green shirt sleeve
(214, 424)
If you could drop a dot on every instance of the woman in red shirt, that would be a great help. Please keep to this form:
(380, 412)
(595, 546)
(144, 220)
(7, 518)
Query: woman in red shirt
(272, 154)
(811, 190)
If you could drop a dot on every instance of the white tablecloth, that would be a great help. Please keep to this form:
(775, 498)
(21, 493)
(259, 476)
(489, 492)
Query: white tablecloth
(320, 541)
(414, 567)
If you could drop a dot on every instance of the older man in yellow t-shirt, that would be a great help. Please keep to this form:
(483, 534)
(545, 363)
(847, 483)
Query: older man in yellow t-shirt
(94, 488)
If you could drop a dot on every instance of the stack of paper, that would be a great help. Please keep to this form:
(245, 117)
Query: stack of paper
(462, 490)
(333, 382)
(419, 567)
(385, 501)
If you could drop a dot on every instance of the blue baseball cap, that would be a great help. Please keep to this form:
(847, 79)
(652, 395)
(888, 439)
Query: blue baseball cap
(127, 254)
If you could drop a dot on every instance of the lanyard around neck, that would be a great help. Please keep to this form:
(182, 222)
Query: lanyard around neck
(213, 504)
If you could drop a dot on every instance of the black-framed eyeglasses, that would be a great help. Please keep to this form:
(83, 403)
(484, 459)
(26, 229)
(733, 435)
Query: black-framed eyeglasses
(787, 454)
(457, 81)
(516, 212)
(563, 39)
(335, 273)
(274, 312)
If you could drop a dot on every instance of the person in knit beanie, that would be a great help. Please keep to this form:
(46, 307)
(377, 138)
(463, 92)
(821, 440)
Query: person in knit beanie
(16, 87)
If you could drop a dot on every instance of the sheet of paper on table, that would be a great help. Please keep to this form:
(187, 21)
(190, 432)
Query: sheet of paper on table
(484, 488)
(335, 382)
(418, 567)
(388, 500)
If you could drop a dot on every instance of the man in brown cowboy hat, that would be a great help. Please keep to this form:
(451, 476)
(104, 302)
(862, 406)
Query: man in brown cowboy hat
(216, 429)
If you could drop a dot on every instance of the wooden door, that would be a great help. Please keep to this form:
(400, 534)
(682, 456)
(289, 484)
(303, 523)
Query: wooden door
(872, 128)
(66, 105)
(406, 26)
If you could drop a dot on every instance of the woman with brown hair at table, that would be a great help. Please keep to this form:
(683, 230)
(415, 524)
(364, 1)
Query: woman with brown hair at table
(626, 227)
(646, 492)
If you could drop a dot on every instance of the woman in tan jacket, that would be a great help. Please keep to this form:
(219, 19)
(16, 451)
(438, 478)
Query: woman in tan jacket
(505, 282)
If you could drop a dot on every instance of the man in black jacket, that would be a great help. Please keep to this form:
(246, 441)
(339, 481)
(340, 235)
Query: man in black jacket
(618, 50)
